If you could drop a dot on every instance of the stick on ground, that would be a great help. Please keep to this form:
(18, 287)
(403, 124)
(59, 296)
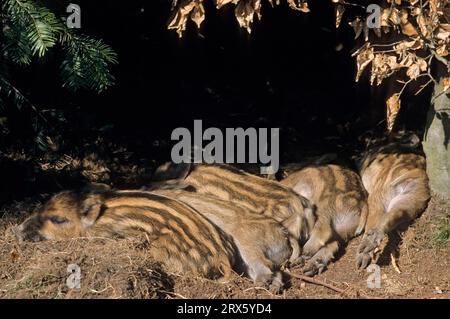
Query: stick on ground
(318, 282)
(327, 285)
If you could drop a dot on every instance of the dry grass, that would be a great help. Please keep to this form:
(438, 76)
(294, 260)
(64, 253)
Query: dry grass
(122, 269)
(109, 269)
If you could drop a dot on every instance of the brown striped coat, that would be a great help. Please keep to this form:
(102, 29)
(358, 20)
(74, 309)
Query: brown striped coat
(257, 194)
(264, 244)
(394, 175)
(341, 209)
(180, 237)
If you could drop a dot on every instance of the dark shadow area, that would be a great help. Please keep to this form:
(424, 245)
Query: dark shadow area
(393, 245)
(288, 74)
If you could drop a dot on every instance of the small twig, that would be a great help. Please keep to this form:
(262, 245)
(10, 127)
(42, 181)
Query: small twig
(329, 286)
(174, 294)
(394, 264)
(424, 86)
(318, 282)
(386, 51)
(386, 44)
(353, 4)
(258, 288)
(409, 81)
(100, 291)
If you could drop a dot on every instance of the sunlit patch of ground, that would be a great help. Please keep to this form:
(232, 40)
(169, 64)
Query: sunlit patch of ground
(121, 268)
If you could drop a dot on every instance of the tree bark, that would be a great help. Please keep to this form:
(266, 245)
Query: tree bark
(436, 142)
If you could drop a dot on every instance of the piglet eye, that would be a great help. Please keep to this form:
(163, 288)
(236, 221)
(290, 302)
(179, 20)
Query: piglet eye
(57, 220)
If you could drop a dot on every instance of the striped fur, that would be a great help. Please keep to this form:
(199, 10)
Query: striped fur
(258, 195)
(341, 209)
(264, 244)
(179, 237)
(394, 175)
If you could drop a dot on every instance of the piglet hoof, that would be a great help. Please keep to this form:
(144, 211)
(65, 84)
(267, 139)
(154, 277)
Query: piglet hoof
(310, 249)
(314, 267)
(371, 240)
(264, 280)
(277, 284)
(298, 262)
(273, 282)
(363, 260)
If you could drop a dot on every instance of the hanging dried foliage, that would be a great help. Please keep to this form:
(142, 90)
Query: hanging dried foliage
(423, 27)
(185, 10)
(393, 107)
(245, 11)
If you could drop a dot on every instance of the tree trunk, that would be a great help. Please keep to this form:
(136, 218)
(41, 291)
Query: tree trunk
(436, 142)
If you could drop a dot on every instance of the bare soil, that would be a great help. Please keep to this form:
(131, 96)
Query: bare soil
(121, 268)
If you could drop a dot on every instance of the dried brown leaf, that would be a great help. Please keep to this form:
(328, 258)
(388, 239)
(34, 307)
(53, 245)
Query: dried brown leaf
(445, 26)
(363, 59)
(417, 68)
(198, 14)
(299, 5)
(393, 107)
(340, 9)
(409, 30)
(443, 32)
(383, 66)
(391, 61)
(446, 83)
(405, 45)
(384, 20)
(433, 4)
(423, 65)
(442, 50)
(245, 12)
(394, 17)
(416, 11)
(413, 71)
(221, 3)
(357, 26)
(406, 26)
(424, 24)
(180, 17)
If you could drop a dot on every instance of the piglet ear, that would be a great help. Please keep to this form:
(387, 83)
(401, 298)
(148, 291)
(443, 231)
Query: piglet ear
(411, 139)
(92, 203)
(301, 224)
(293, 224)
(309, 212)
(91, 209)
(172, 171)
(406, 139)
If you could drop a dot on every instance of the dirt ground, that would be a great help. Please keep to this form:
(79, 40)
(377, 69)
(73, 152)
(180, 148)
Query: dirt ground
(120, 268)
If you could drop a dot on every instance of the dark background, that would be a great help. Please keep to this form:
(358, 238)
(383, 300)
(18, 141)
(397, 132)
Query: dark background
(288, 73)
